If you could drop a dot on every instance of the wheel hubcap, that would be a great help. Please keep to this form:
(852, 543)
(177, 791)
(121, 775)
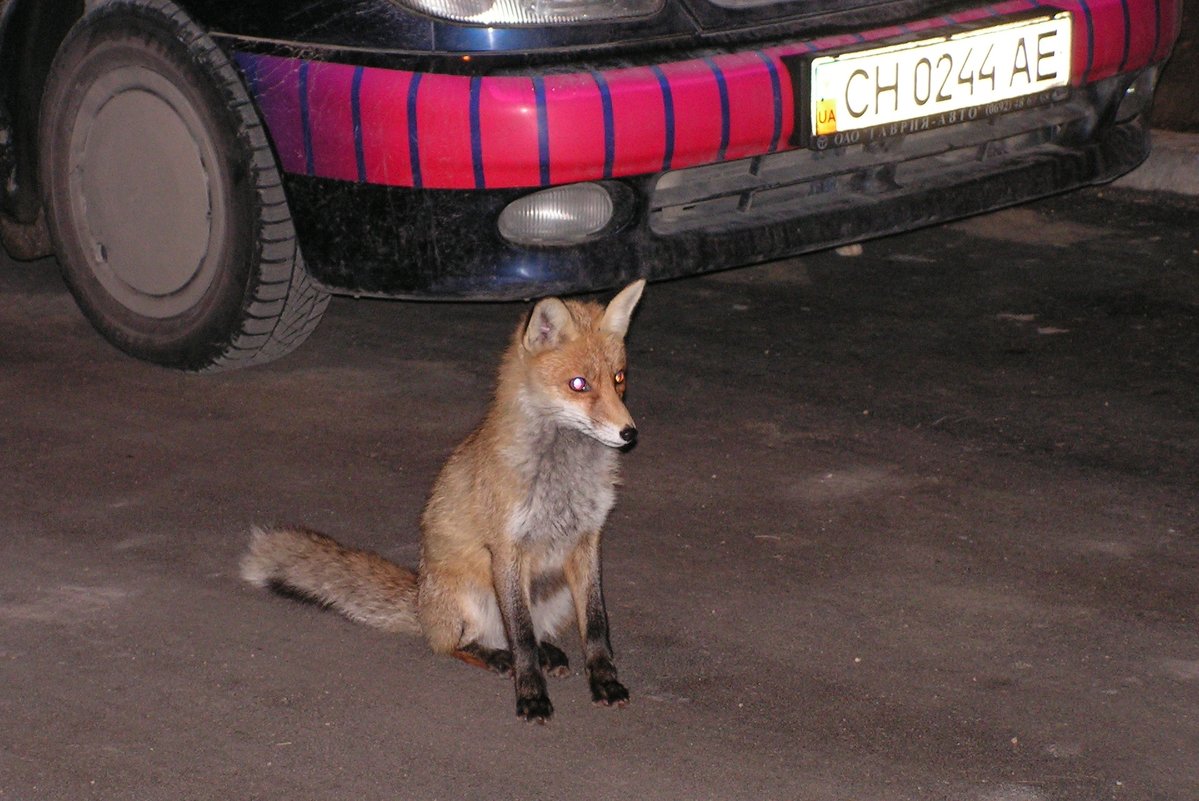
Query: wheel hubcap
(147, 195)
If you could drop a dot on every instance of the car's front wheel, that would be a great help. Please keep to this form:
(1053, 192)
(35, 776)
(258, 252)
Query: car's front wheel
(163, 198)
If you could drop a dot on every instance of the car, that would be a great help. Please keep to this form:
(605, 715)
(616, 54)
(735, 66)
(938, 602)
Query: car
(207, 172)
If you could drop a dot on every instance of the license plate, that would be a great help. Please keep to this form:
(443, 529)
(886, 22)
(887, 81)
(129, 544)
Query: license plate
(897, 89)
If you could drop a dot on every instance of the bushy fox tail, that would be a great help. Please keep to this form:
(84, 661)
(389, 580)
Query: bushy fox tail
(361, 585)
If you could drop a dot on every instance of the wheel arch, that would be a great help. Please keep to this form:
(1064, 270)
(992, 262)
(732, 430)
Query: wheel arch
(30, 33)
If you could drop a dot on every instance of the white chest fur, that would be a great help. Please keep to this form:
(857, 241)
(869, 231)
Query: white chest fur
(570, 482)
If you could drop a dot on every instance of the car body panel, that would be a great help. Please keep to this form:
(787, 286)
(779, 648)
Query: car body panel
(380, 29)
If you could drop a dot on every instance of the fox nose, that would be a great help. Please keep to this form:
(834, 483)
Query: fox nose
(628, 434)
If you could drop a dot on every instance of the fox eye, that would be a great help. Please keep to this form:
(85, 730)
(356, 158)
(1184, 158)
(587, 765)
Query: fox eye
(619, 377)
(579, 384)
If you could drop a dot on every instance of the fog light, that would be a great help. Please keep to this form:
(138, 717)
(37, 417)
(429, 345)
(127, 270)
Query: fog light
(1138, 96)
(564, 215)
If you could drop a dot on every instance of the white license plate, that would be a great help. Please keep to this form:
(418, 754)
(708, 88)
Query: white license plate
(938, 81)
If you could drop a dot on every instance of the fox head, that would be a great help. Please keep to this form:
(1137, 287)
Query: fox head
(574, 357)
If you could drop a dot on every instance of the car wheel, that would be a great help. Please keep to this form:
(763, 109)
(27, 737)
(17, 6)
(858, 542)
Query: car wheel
(163, 198)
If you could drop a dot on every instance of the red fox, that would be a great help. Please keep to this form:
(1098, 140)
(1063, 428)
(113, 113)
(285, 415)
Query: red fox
(510, 537)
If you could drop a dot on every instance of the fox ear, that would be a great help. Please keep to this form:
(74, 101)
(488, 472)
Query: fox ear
(549, 326)
(620, 309)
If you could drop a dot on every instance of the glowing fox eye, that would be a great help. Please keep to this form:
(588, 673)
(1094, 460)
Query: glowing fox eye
(579, 384)
(619, 377)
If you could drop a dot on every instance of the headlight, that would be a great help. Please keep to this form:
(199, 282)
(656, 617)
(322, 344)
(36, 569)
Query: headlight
(534, 12)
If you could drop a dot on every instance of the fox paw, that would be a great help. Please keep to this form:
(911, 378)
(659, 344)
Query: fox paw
(553, 661)
(534, 708)
(496, 660)
(609, 692)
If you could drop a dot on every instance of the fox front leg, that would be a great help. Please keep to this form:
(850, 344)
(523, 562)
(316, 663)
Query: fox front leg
(532, 700)
(583, 576)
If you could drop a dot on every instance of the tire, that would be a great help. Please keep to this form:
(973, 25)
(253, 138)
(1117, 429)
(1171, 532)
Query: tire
(163, 198)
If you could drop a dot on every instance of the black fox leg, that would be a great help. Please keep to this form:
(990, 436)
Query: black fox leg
(553, 661)
(532, 701)
(583, 575)
(601, 671)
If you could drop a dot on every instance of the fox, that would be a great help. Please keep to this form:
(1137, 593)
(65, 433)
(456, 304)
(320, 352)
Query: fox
(510, 533)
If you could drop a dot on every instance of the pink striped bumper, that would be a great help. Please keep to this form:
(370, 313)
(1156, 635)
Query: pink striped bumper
(437, 131)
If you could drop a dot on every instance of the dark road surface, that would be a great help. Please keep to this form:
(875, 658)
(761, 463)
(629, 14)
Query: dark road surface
(920, 524)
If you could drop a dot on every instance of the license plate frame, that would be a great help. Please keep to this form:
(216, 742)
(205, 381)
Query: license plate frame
(957, 83)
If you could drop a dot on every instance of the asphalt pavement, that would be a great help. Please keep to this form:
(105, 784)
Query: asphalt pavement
(916, 525)
(1172, 166)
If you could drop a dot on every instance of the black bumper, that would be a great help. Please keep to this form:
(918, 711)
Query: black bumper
(445, 244)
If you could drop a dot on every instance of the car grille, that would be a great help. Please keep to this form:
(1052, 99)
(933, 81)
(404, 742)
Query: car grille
(785, 185)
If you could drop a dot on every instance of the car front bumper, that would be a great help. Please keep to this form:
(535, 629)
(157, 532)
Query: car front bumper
(396, 178)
